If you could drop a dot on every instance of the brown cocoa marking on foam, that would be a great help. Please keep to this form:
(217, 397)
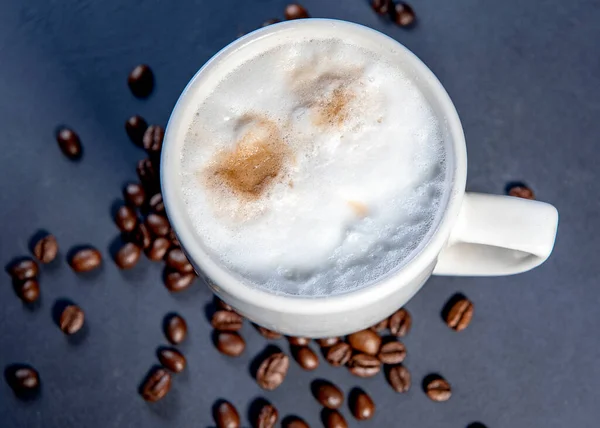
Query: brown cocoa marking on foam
(333, 109)
(359, 208)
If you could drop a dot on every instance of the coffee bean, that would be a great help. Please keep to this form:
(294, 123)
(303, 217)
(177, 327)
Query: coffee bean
(158, 225)
(521, 191)
(438, 389)
(361, 405)
(392, 352)
(366, 341)
(294, 422)
(339, 354)
(328, 341)
(226, 415)
(229, 343)
(86, 259)
(305, 357)
(156, 204)
(172, 359)
(295, 11)
(399, 378)
(126, 218)
(156, 385)
(141, 236)
(267, 417)
(134, 195)
(128, 255)
(177, 281)
(69, 143)
(175, 329)
(460, 314)
(158, 248)
(226, 321)
(381, 325)
(272, 371)
(135, 127)
(270, 22)
(266, 333)
(148, 175)
(153, 139)
(298, 341)
(177, 260)
(221, 305)
(382, 7)
(403, 14)
(173, 238)
(23, 269)
(71, 319)
(400, 323)
(333, 419)
(45, 249)
(23, 379)
(28, 290)
(328, 395)
(141, 81)
(363, 365)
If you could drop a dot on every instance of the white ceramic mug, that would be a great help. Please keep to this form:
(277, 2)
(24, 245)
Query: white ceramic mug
(476, 234)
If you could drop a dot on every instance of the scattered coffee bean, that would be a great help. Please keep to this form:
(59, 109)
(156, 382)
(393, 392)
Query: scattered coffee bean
(156, 385)
(172, 359)
(399, 378)
(403, 14)
(71, 319)
(334, 419)
(135, 127)
(175, 329)
(156, 204)
(267, 417)
(392, 352)
(400, 323)
(521, 191)
(298, 341)
(361, 405)
(366, 341)
(128, 255)
(158, 249)
(266, 333)
(45, 249)
(153, 139)
(126, 218)
(148, 176)
(328, 395)
(295, 11)
(294, 422)
(226, 415)
(438, 389)
(177, 281)
(69, 143)
(305, 357)
(226, 321)
(177, 260)
(221, 305)
(328, 341)
(141, 236)
(23, 379)
(382, 7)
(272, 371)
(381, 325)
(460, 314)
(134, 195)
(339, 354)
(229, 343)
(28, 290)
(270, 22)
(86, 259)
(141, 81)
(363, 365)
(173, 238)
(23, 269)
(157, 224)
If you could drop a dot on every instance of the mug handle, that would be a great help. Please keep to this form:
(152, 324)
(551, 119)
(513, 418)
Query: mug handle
(498, 235)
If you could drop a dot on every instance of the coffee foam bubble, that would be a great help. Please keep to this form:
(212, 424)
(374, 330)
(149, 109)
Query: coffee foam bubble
(313, 168)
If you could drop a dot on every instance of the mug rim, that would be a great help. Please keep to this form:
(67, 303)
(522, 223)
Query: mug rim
(224, 280)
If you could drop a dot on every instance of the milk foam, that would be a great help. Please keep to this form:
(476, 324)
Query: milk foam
(359, 172)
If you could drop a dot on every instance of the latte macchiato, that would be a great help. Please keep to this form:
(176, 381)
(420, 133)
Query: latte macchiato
(313, 165)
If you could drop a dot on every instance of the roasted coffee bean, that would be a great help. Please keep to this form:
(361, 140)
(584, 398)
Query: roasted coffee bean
(366, 341)
(399, 378)
(158, 249)
(266, 333)
(339, 354)
(153, 139)
(45, 249)
(175, 329)
(141, 81)
(382, 7)
(298, 341)
(126, 219)
(333, 419)
(156, 385)
(23, 379)
(328, 395)
(305, 357)
(226, 415)
(173, 238)
(363, 365)
(521, 191)
(295, 11)
(177, 281)
(226, 321)
(135, 127)
(438, 389)
(392, 352)
(270, 22)
(134, 195)
(294, 422)
(71, 319)
(267, 417)
(156, 204)
(272, 371)
(172, 359)
(23, 269)
(229, 343)
(141, 236)
(69, 143)
(400, 323)
(177, 260)
(85, 260)
(28, 290)
(128, 255)
(460, 314)
(158, 225)
(381, 325)
(361, 405)
(221, 305)
(326, 342)
(148, 175)
(403, 14)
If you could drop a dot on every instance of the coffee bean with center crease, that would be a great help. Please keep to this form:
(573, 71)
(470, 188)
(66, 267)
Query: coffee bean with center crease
(339, 354)
(172, 359)
(158, 224)
(128, 255)
(381, 325)
(366, 341)
(175, 329)
(156, 204)
(226, 321)
(177, 281)
(141, 81)
(460, 314)
(267, 417)
(141, 236)
(363, 365)
(382, 7)
(327, 394)
(326, 342)
(295, 11)
(69, 143)
(86, 259)
(521, 191)
(229, 343)
(23, 379)
(305, 357)
(272, 371)
(177, 260)
(438, 389)
(134, 195)
(46, 249)
(126, 218)
(158, 249)
(333, 419)
(399, 378)
(392, 352)
(403, 14)
(294, 422)
(148, 175)
(298, 341)
(135, 128)
(153, 139)
(23, 269)
(361, 405)
(266, 333)
(71, 319)
(226, 415)
(400, 323)
(28, 290)
(156, 385)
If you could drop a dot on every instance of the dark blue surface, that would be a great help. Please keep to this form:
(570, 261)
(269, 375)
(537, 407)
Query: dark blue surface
(525, 78)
